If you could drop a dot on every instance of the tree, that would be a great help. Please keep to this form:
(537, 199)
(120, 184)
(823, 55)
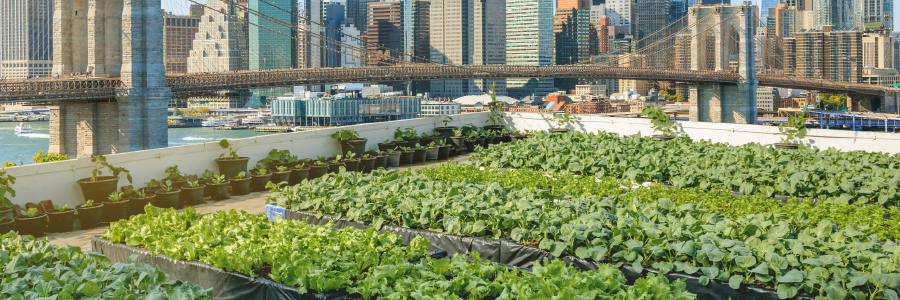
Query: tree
(177, 112)
(832, 101)
(203, 111)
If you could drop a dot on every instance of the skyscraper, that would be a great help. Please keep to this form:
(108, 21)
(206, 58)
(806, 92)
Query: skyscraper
(621, 13)
(334, 17)
(178, 38)
(875, 11)
(468, 32)
(398, 31)
(357, 14)
(272, 50)
(829, 55)
(529, 42)
(878, 50)
(221, 42)
(840, 14)
(650, 17)
(571, 29)
(764, 6)
(26, 38)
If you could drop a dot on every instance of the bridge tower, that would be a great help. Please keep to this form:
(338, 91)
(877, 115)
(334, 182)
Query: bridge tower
(723, 40)
(111, 38)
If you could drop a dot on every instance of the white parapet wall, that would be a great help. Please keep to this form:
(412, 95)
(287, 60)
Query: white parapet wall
(733, 134)
(57, 181)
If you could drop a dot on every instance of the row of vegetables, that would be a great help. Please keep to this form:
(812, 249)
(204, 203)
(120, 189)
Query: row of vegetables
(827, 175)
(787, 253)
(321, 259)
(37, 269)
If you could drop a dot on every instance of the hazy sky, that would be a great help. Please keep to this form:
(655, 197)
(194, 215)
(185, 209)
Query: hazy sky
(181, 7)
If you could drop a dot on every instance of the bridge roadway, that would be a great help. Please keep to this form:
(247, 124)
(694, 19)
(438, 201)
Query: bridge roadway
(48, 90)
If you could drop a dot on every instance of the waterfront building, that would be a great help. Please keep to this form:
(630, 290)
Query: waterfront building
(335, 111)
(878, 50)
(26, 38)
(829, 55)
(529, 42)
(432, 108)
(178, 38)
(766, 98)
(221, 42)
(885, 77)
(468, 32)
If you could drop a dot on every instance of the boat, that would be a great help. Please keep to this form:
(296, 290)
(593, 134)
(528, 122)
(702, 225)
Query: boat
(254, 120)
(218, 121)
(23, 128)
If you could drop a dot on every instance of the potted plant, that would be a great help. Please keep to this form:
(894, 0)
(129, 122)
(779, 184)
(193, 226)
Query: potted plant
(561, 121)
(89, 213)
(6, 225)
(443, 150)
(661, 123)
(232, 164)
(281, 174)
(351, 162)
(31, 222)
(381, 159)
(177, 178)
(504, 136)
(6, 205)
(60, 219)
(350, 141)
(318, 169)
(259, 180)
(167, 197)
(139, 199)
(98, 186)
(446, 131)
(366, 163)
(406, 155)
(393, 157)
(299, 173)
(115, 208)
(420, 154)
(431, 152)
(278, 158)
(457, 139)
(516, 136)
(484, 138)
(794, 129)
(192, 193)
(335, 165)
(240, 184)
(471, 141)
(491, 137)
(425, 139)
(408, 135)
(387, 144)
(218, 188)
(496, 109)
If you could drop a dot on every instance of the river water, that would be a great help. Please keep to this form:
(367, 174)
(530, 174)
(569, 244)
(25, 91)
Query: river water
(21, 148)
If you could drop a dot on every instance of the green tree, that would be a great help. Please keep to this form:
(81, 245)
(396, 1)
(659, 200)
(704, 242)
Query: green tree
(177, 112)
(203, 111)
(832, 101)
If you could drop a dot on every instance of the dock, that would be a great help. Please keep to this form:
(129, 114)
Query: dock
(231, 127)
(273, 129)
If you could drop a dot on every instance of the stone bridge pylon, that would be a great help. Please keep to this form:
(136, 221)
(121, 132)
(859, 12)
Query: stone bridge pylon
(111, 38)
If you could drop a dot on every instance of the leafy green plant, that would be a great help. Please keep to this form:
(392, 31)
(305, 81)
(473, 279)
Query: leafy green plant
(319, 163)
(100, 162)
(261, 172)
(562, 120)
(60, 207)
(794, 129)
(241, 175)
(345, 135)
(388, 141)
(30, 213)
(399, 139)
(232, 152)
(278, 156)
(408, 132)
(116, 197)
(660, 121)
(167, 186)
(457, 132)
(6, 182)
(431, 145)
(447, 120)
(138, 193)
(193, 184)
(366, 156)
(218, 179)
(42, 157)
(405, 149)
(496, 108)
(208, 175)
(175, 174)
(419, 147)
(12, 164)
(350, 156)
(88, 203)
(69, 273)
(425, 135)
(281, 169)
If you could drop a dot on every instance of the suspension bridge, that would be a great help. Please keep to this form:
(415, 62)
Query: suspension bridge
(121, 104)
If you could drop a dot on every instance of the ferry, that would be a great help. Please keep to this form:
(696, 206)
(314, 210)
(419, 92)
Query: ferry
(218, 121)
(23, 129)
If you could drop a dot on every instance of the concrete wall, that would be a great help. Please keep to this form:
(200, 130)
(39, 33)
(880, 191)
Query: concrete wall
(57, 181)
(734, 134)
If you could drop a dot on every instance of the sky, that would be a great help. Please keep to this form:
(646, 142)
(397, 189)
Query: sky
(180, 7)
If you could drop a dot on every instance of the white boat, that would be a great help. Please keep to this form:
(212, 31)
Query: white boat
(254, 120)
(218, 121)
(23, 128)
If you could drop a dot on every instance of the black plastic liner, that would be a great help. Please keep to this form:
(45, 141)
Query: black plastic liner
(226, 285)
(715, 290)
